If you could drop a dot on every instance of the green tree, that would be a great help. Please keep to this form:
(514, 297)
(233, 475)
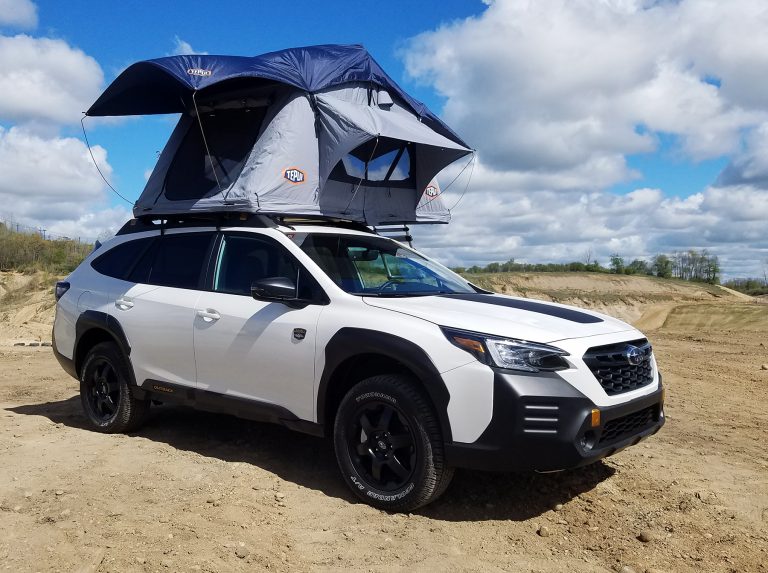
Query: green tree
(617, 264)
(662, 266)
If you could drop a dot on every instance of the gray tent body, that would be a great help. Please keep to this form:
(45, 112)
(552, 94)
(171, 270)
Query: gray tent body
(346, 152)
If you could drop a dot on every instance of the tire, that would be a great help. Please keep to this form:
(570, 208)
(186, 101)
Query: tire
(389, 445)
(108, 399)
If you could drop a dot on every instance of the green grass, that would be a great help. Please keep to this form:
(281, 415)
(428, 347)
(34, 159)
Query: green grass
(30, 253)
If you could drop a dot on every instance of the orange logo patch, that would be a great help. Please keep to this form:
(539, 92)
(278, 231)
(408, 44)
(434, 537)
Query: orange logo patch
(294, 175)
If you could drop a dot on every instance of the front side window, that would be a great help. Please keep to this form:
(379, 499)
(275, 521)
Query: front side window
(376, 266)
(242, 260)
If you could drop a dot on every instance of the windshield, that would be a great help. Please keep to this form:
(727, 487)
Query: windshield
(376, 266)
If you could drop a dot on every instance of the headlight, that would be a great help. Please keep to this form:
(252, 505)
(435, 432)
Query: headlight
(509, 353)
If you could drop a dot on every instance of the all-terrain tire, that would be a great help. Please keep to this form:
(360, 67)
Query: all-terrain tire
(389, 445)
(107, 396)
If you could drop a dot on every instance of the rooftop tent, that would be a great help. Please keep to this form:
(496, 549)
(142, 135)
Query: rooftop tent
(306, 131)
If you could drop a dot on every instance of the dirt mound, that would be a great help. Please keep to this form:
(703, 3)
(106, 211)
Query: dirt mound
(27, 307)
(641, 300)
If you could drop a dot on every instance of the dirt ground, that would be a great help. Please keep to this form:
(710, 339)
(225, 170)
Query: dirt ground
(201, 492)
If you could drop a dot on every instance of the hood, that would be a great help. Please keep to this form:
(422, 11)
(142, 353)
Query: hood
(505, 316)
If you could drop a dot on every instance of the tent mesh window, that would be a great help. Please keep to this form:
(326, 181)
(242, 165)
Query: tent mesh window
(386, 163)
(230, 134)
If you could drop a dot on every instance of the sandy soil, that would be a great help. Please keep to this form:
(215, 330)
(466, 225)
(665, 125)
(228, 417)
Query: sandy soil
(202, 492)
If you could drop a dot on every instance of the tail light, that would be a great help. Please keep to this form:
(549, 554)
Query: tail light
(61, 288)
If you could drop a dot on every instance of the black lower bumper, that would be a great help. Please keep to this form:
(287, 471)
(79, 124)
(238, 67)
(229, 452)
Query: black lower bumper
(540, 422)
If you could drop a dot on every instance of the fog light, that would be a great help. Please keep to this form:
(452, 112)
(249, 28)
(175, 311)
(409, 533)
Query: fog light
(587, 441)
(595, 418)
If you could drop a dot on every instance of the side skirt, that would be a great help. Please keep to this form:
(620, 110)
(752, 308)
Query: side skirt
(223, 404)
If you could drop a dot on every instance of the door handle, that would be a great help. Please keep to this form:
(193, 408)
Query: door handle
(124, 303)
(208, 315)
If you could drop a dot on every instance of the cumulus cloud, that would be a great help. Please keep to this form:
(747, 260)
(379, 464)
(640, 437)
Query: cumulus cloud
(182, 48)
(555, 95)
(18, 14)
(53, 182)
(565, 226)
(45, 81)
(550, 85)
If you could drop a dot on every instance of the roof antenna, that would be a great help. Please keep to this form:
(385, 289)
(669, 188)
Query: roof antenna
(85, 135)
(205, 142)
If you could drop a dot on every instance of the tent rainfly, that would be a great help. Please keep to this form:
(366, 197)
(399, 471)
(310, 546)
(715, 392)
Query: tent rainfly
(315, 131)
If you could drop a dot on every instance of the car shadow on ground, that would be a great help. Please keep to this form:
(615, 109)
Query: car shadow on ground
(311, 463)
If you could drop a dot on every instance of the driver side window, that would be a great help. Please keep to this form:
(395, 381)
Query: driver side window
(242, 260)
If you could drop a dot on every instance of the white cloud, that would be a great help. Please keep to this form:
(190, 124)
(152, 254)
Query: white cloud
(45, 81)
(550, 85)
(183, 48)
(52, 182)
(556, 94)
(49, 181)
(18, 14)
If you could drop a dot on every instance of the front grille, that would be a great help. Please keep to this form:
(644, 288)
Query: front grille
(613, 370)
(629, 425)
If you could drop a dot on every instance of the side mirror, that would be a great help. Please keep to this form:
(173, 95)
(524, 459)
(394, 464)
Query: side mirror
(274, 289)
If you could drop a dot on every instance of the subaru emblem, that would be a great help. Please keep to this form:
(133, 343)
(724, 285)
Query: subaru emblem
(633, 355)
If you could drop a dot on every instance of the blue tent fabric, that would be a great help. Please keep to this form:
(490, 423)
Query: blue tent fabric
(166, 85)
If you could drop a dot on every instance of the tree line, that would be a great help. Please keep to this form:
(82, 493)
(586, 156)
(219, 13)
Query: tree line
(691, 265)
(31, 252)
(752, 287)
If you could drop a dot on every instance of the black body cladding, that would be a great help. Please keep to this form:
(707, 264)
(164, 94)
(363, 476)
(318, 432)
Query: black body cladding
(350, 342)
(539, 422)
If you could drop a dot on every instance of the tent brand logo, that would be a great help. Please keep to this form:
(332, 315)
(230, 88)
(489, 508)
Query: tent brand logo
(431, 191)
(294, 175)
(199, 72)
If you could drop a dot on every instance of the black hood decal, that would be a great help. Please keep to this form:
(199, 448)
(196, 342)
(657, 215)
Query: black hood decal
(531, 306)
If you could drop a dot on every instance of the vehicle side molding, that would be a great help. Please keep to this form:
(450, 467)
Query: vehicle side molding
(224, 404)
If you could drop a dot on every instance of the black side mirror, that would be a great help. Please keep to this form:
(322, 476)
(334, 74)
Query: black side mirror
(274, 289)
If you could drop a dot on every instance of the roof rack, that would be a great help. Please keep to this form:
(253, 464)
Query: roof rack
(187, 220)
(289, 221)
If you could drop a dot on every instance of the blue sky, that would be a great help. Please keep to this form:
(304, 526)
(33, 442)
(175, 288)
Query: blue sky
(634, 127)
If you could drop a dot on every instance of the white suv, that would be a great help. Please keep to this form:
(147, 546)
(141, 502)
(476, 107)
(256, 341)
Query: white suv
(331, 329)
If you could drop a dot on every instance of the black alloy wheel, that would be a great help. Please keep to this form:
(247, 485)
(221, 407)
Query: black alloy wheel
(383, 445)
(107, 395)
(102, 390)
(389, 445)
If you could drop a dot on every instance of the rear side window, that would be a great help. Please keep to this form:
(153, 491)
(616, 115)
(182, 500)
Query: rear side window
(119, 261)
(174, 261)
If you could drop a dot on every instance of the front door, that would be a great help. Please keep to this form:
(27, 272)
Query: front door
(263, 351)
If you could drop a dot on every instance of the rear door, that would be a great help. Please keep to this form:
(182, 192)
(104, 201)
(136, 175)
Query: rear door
(245, 348)
(156, 306)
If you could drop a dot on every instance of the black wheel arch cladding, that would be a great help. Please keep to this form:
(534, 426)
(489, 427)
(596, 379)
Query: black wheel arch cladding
(350, 342)
(91, 320)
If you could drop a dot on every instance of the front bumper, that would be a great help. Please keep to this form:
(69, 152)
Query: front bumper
(542, 423)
